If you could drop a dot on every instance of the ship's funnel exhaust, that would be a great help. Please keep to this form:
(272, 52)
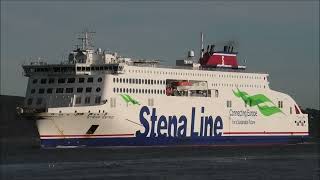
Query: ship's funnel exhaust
(225, 48)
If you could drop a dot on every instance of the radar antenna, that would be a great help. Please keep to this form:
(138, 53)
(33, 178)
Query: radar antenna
(86, 38)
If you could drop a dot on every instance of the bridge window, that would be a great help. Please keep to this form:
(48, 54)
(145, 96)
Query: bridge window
(59, 90)
(87, 100)
(34, 81)
(61, 80)
(49, 90)
(98, 99)
(33, 91)
(79, 90)
(69, 90)
(90, 80)
(88, 89)
(41, 91)
(81, 80)
(71, 80)
(51, 80)
(78, 100)
(43, 81)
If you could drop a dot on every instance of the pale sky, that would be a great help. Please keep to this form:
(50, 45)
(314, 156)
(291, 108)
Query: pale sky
(279, 38)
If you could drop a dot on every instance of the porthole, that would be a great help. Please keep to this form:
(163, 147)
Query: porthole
(98, 89)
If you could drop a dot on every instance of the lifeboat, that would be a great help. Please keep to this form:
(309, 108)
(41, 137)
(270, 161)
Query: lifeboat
(183, 85)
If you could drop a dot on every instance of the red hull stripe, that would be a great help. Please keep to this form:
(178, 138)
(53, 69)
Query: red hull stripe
(265, 132)
(126, 135)
(87, 135)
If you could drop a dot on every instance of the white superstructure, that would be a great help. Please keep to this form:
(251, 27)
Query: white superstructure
(98, 98)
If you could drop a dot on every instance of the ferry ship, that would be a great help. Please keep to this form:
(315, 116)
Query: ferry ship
(98, 98)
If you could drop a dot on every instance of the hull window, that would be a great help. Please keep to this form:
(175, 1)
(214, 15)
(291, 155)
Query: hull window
(92, 129)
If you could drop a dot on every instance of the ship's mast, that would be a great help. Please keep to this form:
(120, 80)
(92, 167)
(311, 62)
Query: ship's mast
(201, 51)
(86, 40)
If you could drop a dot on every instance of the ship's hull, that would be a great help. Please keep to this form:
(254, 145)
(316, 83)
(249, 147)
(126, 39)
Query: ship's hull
(171, 125)
(186, 141)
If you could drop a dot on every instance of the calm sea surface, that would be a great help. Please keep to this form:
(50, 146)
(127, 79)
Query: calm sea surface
(23, 159)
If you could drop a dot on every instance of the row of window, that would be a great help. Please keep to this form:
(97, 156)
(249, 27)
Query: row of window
(96, 68)
(138, 81)
(280, 104)
(139, 91)
(64, 80)
(87, 100)
(67, 90)
(198, 74)
(162, 82)
(236, 85)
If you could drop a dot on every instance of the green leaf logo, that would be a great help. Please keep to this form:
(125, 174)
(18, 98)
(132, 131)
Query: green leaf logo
(129, 99)
(258, 100)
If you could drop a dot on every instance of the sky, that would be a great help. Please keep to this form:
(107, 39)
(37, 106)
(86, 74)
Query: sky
(279, 38)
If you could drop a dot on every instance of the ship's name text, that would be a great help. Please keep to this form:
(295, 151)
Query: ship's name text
(176, 126)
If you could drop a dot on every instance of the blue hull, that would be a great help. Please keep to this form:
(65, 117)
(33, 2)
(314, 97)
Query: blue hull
(165, 141)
